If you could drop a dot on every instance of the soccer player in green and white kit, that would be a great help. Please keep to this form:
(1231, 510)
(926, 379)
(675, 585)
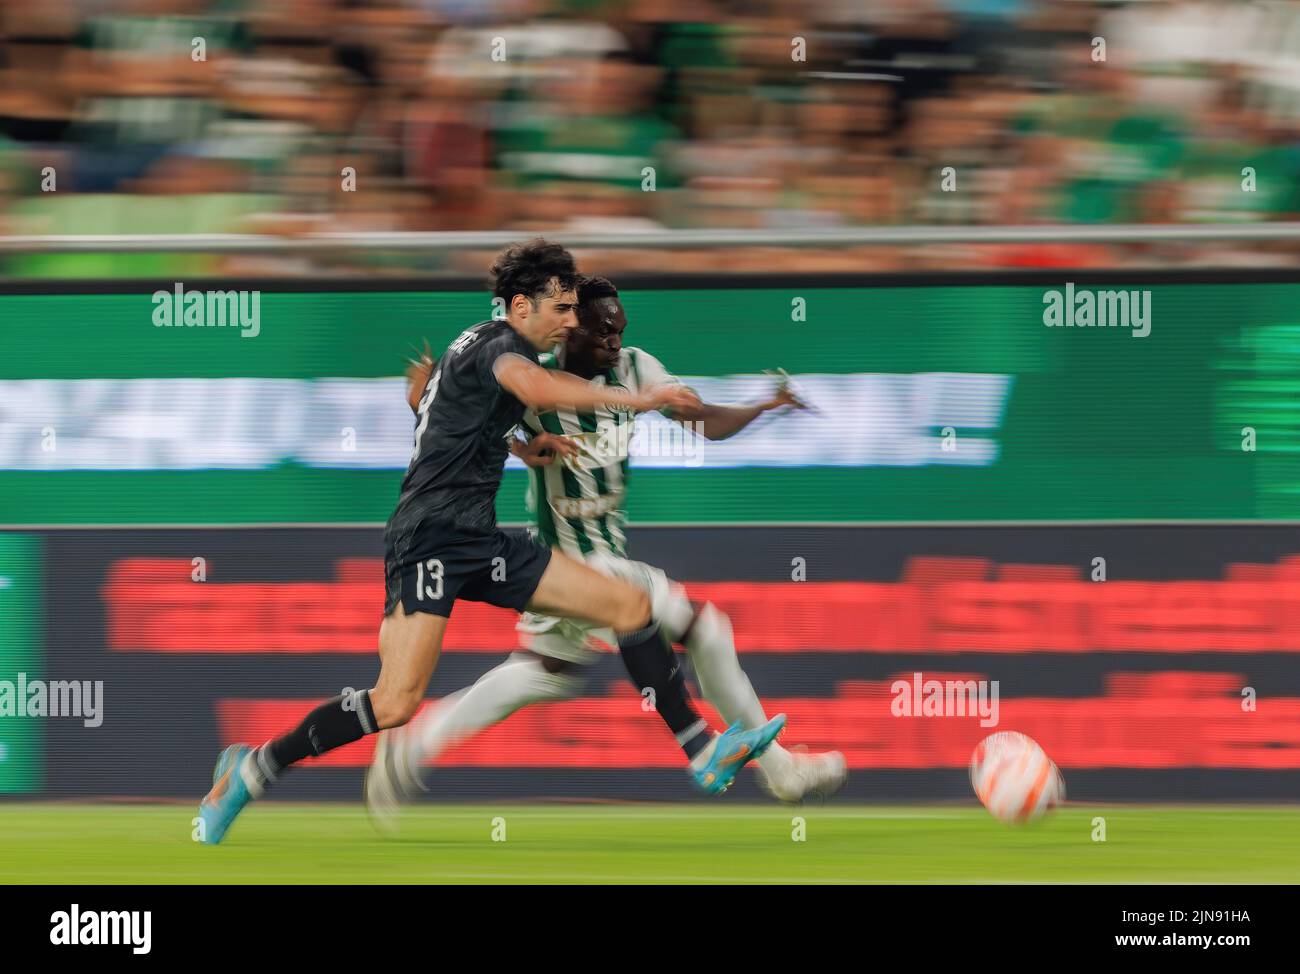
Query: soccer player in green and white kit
(579, 463)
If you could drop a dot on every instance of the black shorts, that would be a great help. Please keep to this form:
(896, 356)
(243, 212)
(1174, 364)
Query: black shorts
(431, 564)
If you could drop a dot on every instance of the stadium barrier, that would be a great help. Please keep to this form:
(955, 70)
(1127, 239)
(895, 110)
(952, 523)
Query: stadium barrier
(968, 465)
(1173, 678)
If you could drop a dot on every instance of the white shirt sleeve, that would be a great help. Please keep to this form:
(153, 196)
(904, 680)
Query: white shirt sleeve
(649, 370)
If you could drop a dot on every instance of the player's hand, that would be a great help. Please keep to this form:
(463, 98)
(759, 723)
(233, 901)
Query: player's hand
(784, 395)
(418, 371)
(677, 398)
(543, 449)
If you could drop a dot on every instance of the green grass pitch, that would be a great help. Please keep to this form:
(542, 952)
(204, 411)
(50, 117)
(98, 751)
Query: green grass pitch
(720, 842)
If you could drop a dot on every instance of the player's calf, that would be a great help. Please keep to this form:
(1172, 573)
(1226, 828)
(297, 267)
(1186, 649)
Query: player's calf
(409, 644)
(338, 721)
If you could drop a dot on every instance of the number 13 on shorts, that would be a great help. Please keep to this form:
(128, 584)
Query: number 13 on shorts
(434, 569)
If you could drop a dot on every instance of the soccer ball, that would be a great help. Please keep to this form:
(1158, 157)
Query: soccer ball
(1014, 777)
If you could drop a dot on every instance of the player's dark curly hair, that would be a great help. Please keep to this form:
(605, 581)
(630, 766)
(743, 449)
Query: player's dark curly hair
(594, 288)
(528, 269)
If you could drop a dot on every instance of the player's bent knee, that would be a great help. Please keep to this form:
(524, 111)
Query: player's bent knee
(632, 611)
(393, 709)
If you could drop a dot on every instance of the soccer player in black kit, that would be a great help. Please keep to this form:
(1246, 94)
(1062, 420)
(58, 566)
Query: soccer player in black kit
(442, 544)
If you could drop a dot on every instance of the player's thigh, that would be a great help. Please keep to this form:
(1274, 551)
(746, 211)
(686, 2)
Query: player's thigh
(569, 588)
(409, 646)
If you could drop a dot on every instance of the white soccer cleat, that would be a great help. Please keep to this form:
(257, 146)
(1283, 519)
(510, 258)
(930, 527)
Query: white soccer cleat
(390, 782)
(806, 776)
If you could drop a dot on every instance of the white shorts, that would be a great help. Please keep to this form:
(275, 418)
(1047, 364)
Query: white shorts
(577, 640)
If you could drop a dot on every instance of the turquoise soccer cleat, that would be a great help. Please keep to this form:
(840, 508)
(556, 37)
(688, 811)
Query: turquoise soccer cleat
(227, 798)
(224, 762)
(735, 748)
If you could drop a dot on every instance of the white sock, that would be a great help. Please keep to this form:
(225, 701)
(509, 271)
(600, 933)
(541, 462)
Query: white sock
(249, 775)
(712, 648)
(520, 680)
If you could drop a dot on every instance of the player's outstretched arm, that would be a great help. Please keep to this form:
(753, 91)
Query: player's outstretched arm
(540, 388)
(720, 422)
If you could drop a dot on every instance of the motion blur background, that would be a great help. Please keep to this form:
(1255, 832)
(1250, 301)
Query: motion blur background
(192, 514)
(527, 115)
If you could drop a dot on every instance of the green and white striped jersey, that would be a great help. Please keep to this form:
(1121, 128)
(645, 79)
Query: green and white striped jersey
(580, 503)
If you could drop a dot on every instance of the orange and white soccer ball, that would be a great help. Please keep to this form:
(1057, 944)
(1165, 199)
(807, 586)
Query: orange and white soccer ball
(1014, 777)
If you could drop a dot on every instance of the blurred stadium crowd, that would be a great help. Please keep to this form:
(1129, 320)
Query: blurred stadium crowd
(547, 115)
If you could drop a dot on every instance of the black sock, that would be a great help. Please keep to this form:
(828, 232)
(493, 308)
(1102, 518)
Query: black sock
(652, 664)
(336, 722)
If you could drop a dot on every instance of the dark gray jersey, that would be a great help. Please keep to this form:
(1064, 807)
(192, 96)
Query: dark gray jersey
(461, 436)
